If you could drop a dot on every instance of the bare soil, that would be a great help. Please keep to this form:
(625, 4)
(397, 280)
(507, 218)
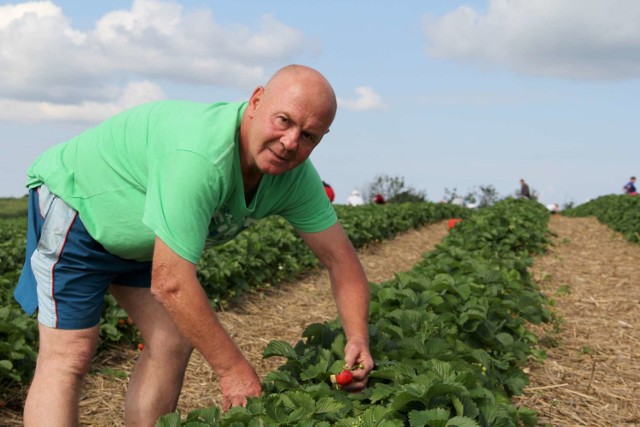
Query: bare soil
(590, 377)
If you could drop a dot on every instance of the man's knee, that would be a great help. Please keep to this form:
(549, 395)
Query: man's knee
(67, 352)
(169, 345)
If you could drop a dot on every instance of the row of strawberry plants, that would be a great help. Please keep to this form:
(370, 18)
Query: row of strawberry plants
(621, 212)
(266, 254)
(17, 330)
(449, 339)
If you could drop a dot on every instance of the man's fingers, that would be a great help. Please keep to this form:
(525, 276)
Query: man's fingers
(233, 401)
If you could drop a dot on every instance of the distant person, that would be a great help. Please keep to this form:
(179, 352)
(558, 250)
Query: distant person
(630, 187)
(553, 208)
(330, 193)
(524, 190)
(379, 199)
(355, 199)
(458, 201)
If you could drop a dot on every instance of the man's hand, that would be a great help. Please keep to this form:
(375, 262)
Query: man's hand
(356, 353)
(239, 383)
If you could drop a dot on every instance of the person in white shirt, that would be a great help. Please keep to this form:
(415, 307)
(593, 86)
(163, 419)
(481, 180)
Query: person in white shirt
(355, 199)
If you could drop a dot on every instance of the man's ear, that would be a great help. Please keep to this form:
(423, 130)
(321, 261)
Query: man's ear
(255, 100)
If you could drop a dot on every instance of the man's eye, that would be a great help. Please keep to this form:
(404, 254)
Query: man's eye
(282, 121)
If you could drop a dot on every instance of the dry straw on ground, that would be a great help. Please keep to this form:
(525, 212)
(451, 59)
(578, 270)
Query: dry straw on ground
(592, 376)
(590, 379)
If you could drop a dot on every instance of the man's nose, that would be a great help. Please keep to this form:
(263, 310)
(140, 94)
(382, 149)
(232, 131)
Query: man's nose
(290, 139)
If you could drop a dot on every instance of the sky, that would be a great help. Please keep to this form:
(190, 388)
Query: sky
(445, 95)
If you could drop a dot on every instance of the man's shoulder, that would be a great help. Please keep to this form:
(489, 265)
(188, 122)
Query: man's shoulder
(178, 106)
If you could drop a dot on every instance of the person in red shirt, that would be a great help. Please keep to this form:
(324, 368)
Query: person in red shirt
(330, 194)
(379, 199)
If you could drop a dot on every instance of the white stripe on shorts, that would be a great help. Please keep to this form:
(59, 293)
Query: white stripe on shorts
(57, 223)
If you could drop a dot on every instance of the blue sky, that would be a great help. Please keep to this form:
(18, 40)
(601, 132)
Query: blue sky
(446, 95)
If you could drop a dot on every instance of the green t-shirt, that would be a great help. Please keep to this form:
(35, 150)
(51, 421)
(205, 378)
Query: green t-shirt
(172, 169)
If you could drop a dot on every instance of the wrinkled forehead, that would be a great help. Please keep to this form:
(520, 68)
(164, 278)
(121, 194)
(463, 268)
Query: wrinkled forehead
(308, 103)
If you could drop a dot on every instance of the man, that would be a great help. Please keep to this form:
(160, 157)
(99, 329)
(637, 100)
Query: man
(524, 190)
(127, 207)
(630, 187)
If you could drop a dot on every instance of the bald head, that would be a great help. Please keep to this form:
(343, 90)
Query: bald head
(284, 121)
(307, 81)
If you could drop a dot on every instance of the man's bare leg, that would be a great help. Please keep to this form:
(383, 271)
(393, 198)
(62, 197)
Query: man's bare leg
(64, 359)
(156, 382)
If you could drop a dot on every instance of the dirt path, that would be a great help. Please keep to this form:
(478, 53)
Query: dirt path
(592, 377)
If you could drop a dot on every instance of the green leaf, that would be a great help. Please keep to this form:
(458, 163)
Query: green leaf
(528, 417)
(442, 282)
(505, 339)
(461, 422)
(169, 420)
(210, 415)
(409, 393)
(279, 349)
(380, 392)
(375, 416)
(436, 417)
(315, 371)
(275, 411)
(297, 399)
(515, 384)
(387, 294)
(463, 290)
(118, 373)
(327, 405)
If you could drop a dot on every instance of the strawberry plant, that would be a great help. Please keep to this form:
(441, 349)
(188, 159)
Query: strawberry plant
(448, 339)
(264, 255)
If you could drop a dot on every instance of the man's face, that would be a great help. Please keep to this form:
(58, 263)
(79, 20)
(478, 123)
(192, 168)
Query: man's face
(287, 123)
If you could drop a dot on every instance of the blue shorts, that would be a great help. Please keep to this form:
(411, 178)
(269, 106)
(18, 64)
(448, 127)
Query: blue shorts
(67, 273)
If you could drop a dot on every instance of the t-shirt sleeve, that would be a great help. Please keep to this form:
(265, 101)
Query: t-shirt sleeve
(308, 208)
(182, 192)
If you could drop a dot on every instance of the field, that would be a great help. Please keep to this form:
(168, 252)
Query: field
(11, 207)
(589, 377)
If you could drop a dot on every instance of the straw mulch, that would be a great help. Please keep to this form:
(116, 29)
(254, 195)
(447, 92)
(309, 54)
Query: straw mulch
(279, 313)
(591, 376)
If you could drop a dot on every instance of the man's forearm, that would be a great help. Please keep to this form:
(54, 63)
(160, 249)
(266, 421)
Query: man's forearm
(352, 296)
(189, 308)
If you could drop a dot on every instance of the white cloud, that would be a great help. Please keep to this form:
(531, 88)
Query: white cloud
(574, 39)
(366, 100)
(86, 111)
(44, 61)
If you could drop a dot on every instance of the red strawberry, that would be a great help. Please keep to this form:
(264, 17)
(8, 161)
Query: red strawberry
(343, 378)
(140, 347)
